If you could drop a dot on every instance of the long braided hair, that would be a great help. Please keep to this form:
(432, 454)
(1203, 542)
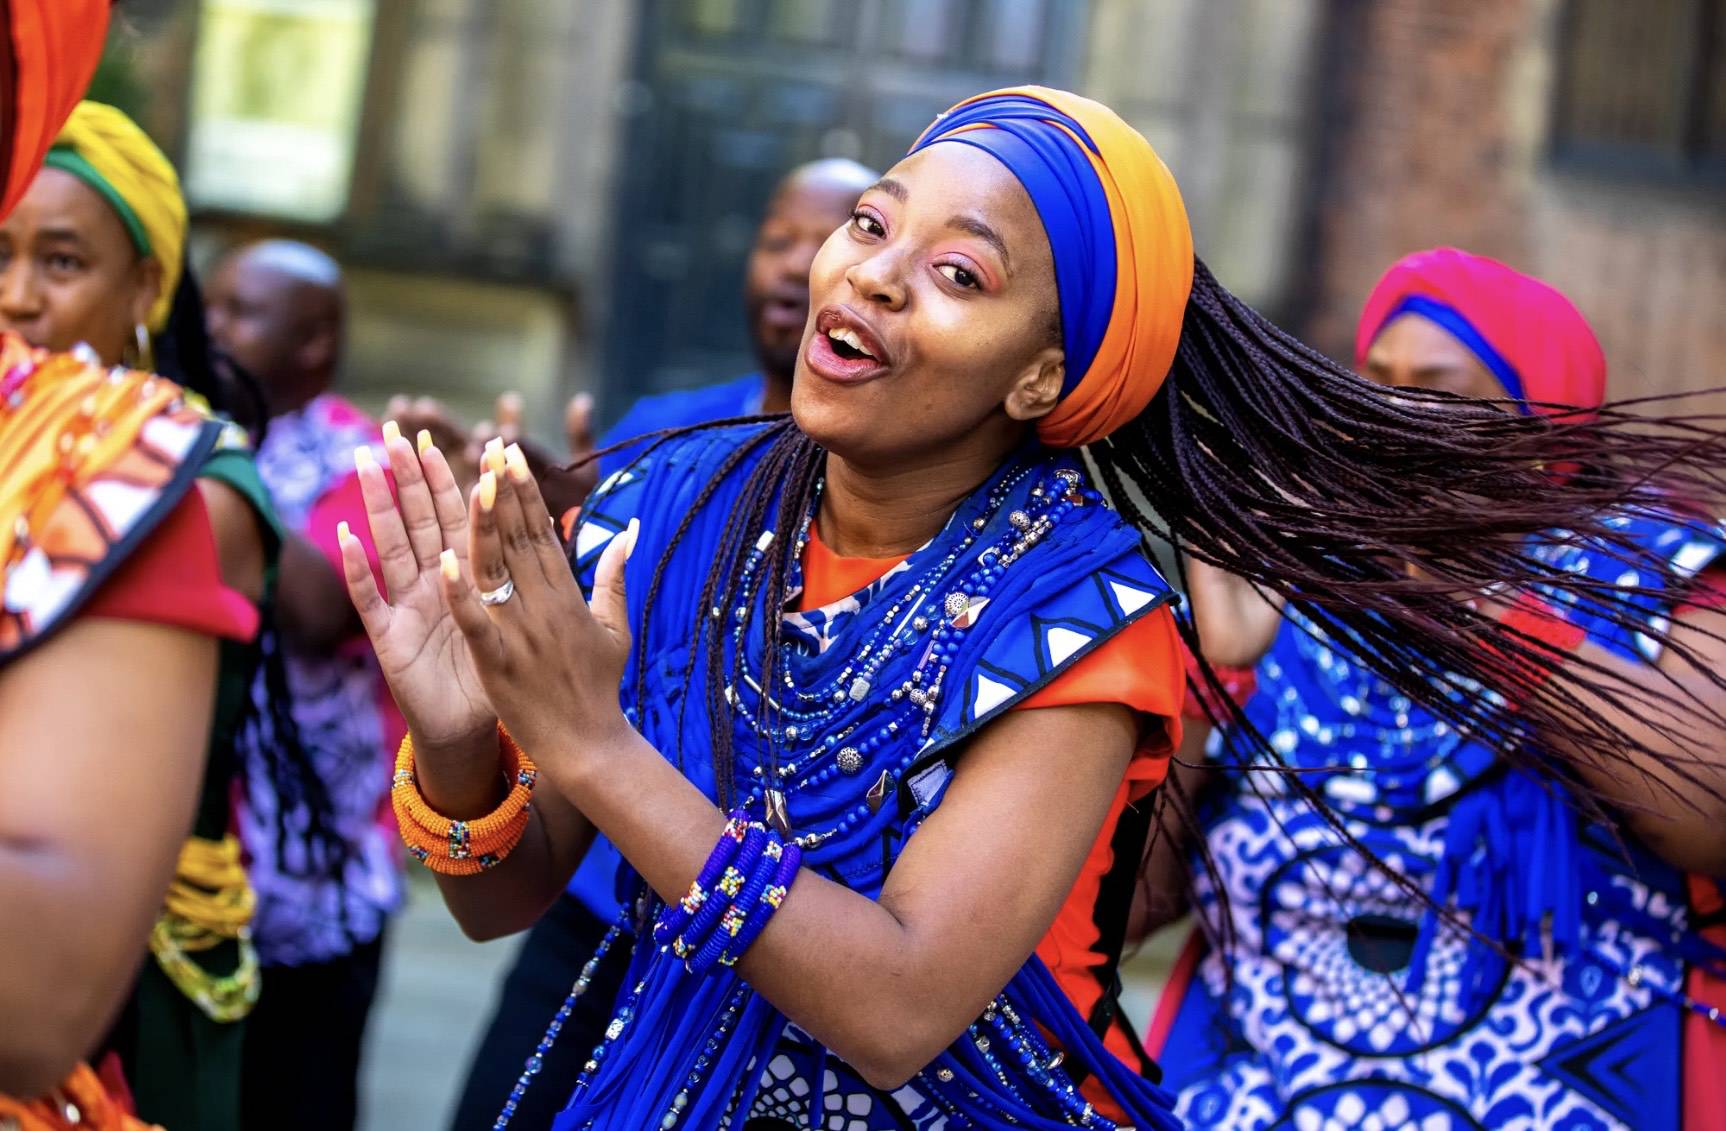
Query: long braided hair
(185, 355)
(1382, 512)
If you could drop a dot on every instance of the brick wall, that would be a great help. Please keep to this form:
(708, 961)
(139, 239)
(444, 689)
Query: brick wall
(1437, 134)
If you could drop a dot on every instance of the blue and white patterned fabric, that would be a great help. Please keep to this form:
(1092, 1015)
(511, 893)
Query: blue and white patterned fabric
(1069, 592)
(1341, 1003)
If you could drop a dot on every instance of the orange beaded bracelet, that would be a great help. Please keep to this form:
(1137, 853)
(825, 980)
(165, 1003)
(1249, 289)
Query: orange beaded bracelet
(463, 848)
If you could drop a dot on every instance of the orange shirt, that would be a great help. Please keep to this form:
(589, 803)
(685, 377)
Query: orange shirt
(1141, 667)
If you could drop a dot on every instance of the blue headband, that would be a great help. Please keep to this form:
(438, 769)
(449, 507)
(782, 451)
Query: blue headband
(1064, 189)
(1451, 320)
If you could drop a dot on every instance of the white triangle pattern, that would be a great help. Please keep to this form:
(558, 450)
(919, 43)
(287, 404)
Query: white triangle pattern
(990, 694)
(590, 536)
(120, 503)
(1131, 599)
(170, 436)
(34, 586)
(1063, 642)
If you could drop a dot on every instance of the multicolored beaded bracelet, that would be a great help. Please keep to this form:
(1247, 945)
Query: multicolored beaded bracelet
(724, 893)
(770, 900)
(731, 922)
(463, 848)
(676, 916)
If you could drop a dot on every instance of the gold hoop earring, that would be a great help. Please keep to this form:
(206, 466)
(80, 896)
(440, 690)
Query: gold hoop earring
(146, 354)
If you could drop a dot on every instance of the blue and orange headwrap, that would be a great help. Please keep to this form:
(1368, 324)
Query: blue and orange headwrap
(1118, 230)
(1524, 331)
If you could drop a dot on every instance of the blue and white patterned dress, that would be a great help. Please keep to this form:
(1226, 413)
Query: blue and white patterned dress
(1330, 1010)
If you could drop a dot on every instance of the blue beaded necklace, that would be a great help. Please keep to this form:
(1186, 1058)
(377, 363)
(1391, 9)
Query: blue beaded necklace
(823, 742)
(684, 1049)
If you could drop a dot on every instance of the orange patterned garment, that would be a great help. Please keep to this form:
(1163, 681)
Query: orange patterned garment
(91, 459)
(80, 1102)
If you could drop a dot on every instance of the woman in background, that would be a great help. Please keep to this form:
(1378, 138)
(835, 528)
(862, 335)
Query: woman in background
(1562, 990)
(123, 582)
(91, 262)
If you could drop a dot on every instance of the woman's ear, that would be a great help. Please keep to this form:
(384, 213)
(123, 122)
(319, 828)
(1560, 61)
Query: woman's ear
(1038, 389)
(147, 288)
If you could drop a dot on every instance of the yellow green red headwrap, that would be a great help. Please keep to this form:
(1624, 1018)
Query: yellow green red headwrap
(106, 150)
(1117, 227)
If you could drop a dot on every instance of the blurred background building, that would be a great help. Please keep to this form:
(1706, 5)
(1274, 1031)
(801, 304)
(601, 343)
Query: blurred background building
(558, 194)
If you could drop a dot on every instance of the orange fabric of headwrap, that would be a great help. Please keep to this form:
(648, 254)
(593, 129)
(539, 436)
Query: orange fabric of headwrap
(55, 46)
(1119, 234)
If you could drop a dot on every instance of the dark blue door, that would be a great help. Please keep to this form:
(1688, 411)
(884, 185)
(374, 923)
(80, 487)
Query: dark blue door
(731, 93)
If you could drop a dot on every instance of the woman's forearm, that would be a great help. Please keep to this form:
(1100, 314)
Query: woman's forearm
(824, 936)
(466, 782)
(888, 983)
(1671, 791)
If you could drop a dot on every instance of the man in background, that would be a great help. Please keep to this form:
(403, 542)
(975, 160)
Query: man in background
(811, 203)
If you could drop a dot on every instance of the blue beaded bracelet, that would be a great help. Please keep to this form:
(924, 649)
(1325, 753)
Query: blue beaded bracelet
(765, 906)
(732, 921)
(675, 917)
(722, 894)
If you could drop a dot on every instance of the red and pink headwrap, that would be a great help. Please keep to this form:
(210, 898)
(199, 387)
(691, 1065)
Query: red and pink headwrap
(53, 47)
(1525, 332)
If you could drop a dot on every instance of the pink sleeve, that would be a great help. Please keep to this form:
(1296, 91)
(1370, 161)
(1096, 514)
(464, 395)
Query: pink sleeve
(345, 503)
(341, 503)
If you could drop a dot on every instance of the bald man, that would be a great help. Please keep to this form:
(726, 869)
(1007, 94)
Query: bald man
(278, 308)
(809, 205)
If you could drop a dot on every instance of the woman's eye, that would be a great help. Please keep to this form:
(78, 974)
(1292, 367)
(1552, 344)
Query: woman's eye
(959, 276)
(66, 263)
(867, 224)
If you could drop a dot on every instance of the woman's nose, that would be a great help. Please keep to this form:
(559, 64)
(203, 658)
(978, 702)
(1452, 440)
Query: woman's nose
(20, 297)
(879, 279)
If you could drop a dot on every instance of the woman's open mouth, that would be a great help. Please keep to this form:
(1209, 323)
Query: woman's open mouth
(843, 348)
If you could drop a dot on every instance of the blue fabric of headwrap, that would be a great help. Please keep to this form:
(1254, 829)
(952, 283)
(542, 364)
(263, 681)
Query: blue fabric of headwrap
(1452, 321)
(1029, 139)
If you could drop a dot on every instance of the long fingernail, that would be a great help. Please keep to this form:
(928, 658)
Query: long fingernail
(342, 534)
(494, 457)
(392, 431)
(634, 532)
(423, 441)
(363, 457)
(517, 463)
(450, 567)
(487, 491)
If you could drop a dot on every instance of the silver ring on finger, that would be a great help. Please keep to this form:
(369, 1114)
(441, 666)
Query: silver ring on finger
(500, 595)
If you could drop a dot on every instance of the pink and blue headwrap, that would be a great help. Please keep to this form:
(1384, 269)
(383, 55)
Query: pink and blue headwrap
(1524, 331)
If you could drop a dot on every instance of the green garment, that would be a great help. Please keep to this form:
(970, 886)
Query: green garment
(184, 1068)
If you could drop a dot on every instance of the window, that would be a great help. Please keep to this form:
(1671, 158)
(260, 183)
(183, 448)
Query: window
(1642, 88)
(275, 106)
(1223, 92)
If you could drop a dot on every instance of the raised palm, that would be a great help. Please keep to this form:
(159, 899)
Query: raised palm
(423, 654)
